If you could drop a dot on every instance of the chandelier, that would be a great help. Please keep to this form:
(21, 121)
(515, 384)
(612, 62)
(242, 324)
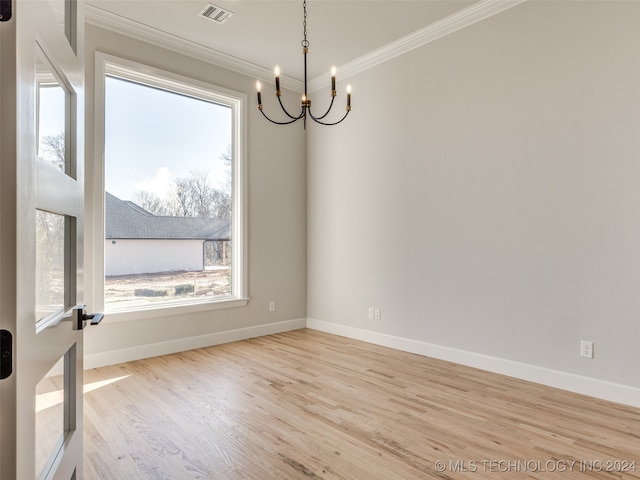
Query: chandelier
(305, 104)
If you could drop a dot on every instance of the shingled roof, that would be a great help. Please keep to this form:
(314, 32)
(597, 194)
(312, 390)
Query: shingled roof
(126, 220)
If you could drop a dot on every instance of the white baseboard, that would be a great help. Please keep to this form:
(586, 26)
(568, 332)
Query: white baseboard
(95, 360)
(553, 378)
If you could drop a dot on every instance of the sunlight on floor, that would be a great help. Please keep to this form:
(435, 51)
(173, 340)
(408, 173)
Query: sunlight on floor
(90, 387)
(50, 399)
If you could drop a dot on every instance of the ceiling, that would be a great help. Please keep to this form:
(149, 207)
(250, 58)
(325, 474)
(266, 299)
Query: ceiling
(265, 33)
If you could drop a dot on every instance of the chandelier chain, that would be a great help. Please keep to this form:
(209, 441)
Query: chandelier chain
(305, 42)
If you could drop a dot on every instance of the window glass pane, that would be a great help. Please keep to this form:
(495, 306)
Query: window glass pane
(50, 415)
(51, 102)
(168, 199)
(64, 12)
(50, 264)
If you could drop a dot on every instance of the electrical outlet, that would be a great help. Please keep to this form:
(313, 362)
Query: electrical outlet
(272, 306)
(586, 349)
(376, 313)
(371, 313)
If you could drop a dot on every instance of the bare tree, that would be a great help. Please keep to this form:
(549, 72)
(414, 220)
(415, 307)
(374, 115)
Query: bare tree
(223, 204)
(50, 229)
(183, 197)
(228, 162)
(193, 195)
(202, 194)
(150, 202)
(53, 149)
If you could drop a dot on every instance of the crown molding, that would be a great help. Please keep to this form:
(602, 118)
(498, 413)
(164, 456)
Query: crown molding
(438, 29)
(445, 26)
(115, 23)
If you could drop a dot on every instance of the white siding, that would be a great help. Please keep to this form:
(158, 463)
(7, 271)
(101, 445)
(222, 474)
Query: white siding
(124, 257)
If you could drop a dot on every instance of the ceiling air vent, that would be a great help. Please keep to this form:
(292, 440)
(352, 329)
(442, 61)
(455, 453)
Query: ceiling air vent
(215, 13)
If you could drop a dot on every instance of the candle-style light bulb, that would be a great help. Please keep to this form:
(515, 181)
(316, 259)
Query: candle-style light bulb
(259, 89)
(348, 97)
(333, 79)
(276, 72)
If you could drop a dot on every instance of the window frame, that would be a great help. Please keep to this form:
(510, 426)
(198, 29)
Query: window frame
(95, 187)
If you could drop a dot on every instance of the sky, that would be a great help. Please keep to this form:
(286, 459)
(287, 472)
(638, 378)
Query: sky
(153, 137)
(50, 114)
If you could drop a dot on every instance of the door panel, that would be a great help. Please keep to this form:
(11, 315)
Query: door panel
(52, 103)
(50, 415)
(41, 203)
(51, 278)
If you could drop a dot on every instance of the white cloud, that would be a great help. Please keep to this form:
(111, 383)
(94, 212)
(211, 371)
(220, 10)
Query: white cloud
(160, 184)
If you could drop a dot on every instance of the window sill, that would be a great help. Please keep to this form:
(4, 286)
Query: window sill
(173, 309)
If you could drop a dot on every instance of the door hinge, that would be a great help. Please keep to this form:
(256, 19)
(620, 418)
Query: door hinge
(6, 354)
(5, 10)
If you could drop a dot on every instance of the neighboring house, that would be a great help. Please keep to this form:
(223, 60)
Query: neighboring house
(136, 241)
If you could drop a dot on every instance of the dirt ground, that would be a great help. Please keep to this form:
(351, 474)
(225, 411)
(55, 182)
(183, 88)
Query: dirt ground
(133, 290)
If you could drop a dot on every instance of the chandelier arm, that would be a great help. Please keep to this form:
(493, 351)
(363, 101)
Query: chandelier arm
(317, 119)
(287, 113)
(306, 102)
(295, 119)
(325, 113)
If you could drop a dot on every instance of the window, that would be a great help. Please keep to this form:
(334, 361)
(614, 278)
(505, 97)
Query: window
(173, 197)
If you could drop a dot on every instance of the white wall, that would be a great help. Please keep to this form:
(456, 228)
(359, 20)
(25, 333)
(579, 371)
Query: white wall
(124, 257)
(485, 193)
(276, 228)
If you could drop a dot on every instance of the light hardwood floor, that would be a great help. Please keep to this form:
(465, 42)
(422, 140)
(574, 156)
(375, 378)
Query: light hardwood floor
(308, 405)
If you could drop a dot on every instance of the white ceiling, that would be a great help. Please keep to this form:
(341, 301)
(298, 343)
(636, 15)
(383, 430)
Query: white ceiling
(264, 33)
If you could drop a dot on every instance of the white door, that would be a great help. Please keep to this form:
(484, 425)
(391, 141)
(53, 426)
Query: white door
(41, 225)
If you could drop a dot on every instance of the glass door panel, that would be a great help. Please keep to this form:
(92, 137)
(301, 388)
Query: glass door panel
(52, 105)
(53, 412)
(50, 265)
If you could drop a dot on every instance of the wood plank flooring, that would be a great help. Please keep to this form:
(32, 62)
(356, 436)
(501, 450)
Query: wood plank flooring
(308, 405)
